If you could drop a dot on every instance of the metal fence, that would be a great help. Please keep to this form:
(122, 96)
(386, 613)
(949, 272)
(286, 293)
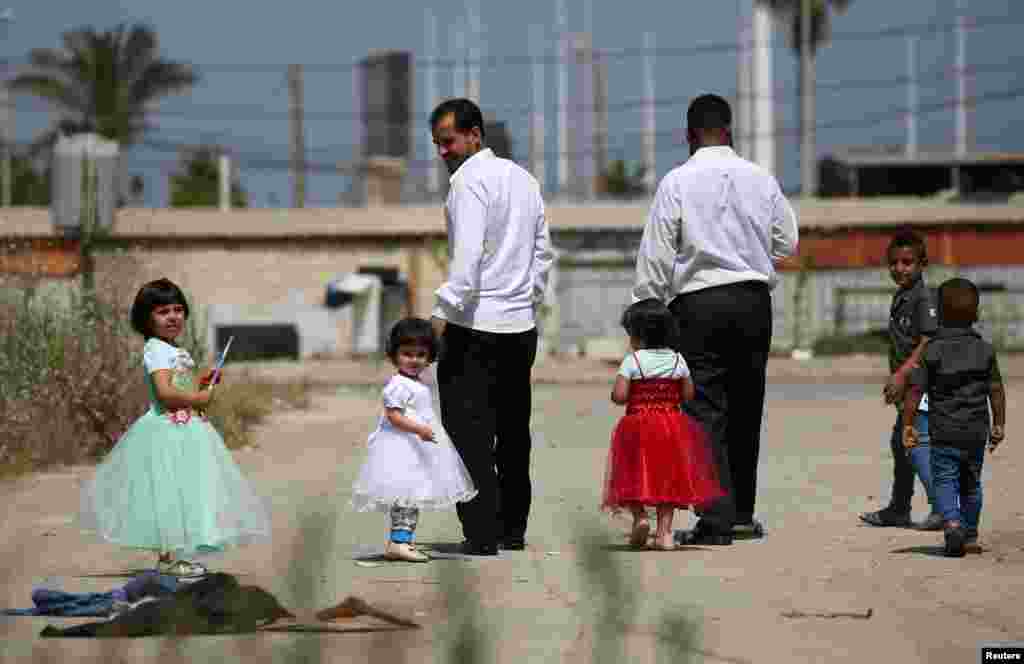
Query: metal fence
(1001, 316)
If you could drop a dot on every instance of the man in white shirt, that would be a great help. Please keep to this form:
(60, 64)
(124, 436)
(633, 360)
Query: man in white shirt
(500, 255)
(716, 229)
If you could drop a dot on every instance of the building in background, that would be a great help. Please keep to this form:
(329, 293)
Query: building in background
(872, 171)
(498, 138)
(386, 110)
(383, 88)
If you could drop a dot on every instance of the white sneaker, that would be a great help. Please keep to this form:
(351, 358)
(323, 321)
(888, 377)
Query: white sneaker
(403, 551)
(182, 569)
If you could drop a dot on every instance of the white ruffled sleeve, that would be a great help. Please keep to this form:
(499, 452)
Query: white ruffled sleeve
(397, 394)
(157, 355)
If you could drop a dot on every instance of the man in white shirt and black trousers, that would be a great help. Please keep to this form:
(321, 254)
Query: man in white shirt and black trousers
(716, 229)
(500, 255)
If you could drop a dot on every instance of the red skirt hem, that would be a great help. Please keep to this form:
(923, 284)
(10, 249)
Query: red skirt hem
(660, 458)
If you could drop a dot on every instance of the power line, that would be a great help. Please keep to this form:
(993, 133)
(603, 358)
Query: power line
(920, 29)
(866, 121)
(265, 155)
(257, 112)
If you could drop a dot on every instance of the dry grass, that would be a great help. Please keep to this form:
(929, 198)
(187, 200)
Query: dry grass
(71, 381)
(240, 403)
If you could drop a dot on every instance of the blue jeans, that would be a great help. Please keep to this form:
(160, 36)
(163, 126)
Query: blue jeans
(957, 481)
(906, 465)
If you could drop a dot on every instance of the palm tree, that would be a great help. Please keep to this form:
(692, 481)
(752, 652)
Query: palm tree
(820, 25)
(104, 82)
(821, 19)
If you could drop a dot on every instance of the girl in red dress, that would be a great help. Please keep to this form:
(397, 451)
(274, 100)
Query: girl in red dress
(659, 456)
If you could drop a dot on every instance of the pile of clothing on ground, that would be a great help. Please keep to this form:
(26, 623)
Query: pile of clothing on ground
(157, 604)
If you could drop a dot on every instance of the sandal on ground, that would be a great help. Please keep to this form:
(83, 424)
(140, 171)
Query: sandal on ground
(181, 568)
(402, 551)
(886, 518)
(638, 537)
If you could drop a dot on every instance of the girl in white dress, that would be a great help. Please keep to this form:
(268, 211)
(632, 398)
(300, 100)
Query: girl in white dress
(411, 464)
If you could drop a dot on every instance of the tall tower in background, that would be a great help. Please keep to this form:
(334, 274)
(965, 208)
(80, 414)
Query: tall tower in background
(754, 114)
(498, 138)
(600, 121)
(588, 118)
(383, 87)
(386, 113)
(763, 86)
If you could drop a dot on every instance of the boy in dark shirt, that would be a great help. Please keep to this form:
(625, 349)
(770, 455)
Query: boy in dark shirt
(960, 374)
(913, 319)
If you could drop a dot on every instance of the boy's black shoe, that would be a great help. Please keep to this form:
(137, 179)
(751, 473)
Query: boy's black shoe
(956, 540)
(470, 548)
(752, 529)
(886, 518)
(932, 522)
(701, 535)
(513, 543)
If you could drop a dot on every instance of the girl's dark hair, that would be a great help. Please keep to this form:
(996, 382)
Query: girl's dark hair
(150, 296)
(651, 323)
(413, 331)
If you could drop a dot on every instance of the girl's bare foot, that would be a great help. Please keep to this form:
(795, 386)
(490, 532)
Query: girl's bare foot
(664, 542)
(641, 530)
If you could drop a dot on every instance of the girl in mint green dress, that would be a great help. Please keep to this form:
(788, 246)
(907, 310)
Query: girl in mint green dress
(170, 485)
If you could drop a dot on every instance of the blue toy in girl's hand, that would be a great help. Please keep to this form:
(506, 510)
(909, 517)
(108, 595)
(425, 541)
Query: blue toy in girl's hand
(215, 376)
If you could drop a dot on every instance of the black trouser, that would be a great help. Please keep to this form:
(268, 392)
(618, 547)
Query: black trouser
(725, 335)
(484, 384)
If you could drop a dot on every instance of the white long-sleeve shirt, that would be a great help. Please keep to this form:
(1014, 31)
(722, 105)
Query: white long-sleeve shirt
(499, 247)
(717, 219)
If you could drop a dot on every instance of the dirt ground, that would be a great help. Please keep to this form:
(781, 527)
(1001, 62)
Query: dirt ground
(576, 592)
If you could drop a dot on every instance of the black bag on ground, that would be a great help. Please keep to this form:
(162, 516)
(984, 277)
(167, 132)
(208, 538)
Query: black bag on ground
(215, 604)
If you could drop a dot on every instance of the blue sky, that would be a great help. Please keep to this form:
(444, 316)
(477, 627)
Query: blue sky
(242, 51)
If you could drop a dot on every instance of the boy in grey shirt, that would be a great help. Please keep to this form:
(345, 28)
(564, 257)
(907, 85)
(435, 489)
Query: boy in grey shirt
(913, 319)
(960, 374)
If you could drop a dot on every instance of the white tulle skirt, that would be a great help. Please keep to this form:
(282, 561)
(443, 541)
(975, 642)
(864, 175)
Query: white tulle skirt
(404, 470)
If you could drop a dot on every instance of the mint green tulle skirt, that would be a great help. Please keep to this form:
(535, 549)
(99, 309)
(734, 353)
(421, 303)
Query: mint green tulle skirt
(172, 486)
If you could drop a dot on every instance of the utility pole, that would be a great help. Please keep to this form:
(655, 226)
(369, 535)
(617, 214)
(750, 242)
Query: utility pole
(433, 56)
(762, 104)
(224, 180)
(743, 134)
(647, 144)
(961, 79)
(7, 134)
(298, 156)
(808, 167)
(562, 20)
(912, 95)
(459, 78)
(475, 51)
(537, 114)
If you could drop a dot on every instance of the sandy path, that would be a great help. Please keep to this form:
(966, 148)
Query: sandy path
(824, 460)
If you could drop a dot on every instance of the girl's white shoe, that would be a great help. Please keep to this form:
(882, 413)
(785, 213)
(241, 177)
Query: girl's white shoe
(405, 552)
(184, 569)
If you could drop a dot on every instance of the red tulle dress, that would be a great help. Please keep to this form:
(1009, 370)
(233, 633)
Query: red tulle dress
(659, 455)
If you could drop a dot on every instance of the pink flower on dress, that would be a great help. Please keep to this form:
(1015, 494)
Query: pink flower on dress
(180, 416)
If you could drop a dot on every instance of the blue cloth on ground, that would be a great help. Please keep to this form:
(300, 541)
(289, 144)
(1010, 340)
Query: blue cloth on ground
(50, 602)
